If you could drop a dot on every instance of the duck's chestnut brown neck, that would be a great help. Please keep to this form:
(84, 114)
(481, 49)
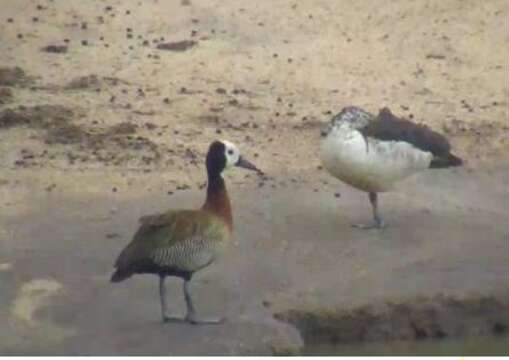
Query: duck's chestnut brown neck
(217, 201)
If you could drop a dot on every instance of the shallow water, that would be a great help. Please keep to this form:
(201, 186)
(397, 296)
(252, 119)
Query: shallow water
(487, 346)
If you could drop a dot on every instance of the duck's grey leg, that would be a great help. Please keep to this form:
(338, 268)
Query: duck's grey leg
(373, 199)
(162, 297)
(164, 306)
(191, 313)
(378, 222)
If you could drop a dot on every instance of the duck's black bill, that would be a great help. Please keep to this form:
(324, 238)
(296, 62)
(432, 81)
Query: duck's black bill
(243, 163)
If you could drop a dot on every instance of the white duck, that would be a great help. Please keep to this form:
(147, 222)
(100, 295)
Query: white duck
(374, 153)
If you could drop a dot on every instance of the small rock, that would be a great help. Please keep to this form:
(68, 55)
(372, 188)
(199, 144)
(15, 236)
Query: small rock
(5, 266)
(55, 49)
(178, 45)
(84, 82)
(13, 76)
(183, 187)
(435, 56)
(5, 95)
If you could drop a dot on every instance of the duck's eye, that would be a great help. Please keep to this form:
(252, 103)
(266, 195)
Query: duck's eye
(230, 152)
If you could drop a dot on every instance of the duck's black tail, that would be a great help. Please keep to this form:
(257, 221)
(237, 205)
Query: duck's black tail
(445, 162)
(120, 275)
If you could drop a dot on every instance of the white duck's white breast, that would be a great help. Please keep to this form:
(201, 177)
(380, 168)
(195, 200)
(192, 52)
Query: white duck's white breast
(370, 164)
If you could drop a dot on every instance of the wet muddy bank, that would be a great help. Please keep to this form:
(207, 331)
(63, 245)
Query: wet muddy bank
(278, 262)
(440, 318)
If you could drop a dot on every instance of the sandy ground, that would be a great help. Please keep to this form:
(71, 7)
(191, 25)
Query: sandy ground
(112, 127)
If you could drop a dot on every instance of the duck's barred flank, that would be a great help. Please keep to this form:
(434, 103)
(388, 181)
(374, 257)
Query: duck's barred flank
(190, 255)
(176, 241)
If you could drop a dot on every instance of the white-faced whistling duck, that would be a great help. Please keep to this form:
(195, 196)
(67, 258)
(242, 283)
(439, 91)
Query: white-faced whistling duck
(181, 242)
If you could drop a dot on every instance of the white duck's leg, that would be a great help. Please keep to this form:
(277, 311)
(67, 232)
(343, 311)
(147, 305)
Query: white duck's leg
(191, 313)
(378, 222)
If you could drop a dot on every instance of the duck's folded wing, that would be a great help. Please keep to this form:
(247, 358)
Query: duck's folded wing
(164, 239)
(388, 127)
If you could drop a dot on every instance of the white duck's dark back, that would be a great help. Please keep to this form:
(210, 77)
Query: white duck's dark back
(367, 163)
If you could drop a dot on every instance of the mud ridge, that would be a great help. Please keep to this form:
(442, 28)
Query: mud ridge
(6, 95)
(40, 116)
(412, 320)
(115, 144)
(14, 76)
(90, 82)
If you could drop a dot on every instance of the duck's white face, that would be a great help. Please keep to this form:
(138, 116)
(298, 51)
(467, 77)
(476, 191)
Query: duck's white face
(231, 153)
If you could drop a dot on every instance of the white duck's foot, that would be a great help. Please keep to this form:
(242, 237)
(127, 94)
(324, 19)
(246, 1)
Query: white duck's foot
(377, 224)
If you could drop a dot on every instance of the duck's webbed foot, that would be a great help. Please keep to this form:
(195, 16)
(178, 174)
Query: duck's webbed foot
(192, 319)
(378, 222)
(191, 316)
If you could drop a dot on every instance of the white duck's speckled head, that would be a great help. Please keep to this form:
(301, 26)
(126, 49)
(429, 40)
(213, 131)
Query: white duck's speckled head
(351, 116)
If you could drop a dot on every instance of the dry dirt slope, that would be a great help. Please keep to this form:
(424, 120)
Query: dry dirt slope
(265, 74)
